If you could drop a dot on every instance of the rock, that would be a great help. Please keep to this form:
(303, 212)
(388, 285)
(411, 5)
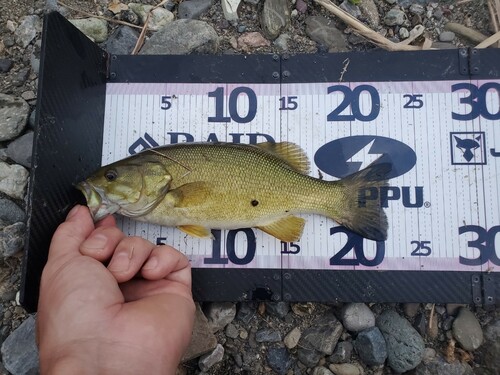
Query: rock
(246, 312)
(275, 17)
(267, 335)
(394, 17)
(282, 42)
(342, 352)
(20, 150)
(32, 119)
(440, 366)
(357, 317)
(5, 65)
(122, 41)
(95, 28)
(220, 314)
(447, 36)
(13, 180)
(411, 309)
(322, 31)
(491, 349)
(441, 45)
(130, 17)
(202, 340)
(27, 30)
(11, 26)
(403, 33)
(301, 6)
(351, 8)
(279, 309)
(28, 95)
(323, 335)
(35, 63)
(321, 371)
(230, 9)
(19, 78)
(369, 11)
(158, 19)
(429, 355)
(19, 350)
(208, 360)
(417, 9)
(467, 330)
(12, 239)
(252, 40)
(183, 37)
(308, 357)
(10, 212)
(13, 116)
(193, 9)
(279, 360)
(405, 346)
(345, 369)
(292, 338)
(370, 346)
(231, 331)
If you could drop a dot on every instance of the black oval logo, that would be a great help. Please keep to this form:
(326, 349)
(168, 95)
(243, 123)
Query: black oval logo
(344, 156)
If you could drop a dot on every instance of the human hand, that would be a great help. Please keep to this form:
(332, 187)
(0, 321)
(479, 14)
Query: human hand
(105, 320)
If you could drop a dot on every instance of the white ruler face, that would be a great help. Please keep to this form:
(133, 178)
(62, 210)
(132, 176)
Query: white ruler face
(442, 138)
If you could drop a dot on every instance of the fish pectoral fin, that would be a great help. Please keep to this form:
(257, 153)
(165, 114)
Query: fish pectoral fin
(196, 231)
(189, 195)
(287, 229)
(289, 152)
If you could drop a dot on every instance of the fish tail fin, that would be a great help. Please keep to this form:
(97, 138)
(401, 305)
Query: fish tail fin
(361, 210)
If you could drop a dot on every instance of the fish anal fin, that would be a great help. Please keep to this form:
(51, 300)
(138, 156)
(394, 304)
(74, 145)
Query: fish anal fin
(196, 231)
(188, 195)
(291, 153)
(287, 229)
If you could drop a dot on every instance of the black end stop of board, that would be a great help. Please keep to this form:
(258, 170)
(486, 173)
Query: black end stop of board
(68, 138)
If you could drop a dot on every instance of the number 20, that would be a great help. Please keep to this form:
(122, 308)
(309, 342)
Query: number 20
(351, 98)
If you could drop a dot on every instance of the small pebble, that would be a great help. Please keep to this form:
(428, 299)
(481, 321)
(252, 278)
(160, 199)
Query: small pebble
(292, 338)
(446, 36)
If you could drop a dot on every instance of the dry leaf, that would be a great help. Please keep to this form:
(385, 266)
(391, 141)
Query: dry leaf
(116, 7)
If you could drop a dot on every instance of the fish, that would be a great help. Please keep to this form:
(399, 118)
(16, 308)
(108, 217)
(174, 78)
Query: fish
(201, 186)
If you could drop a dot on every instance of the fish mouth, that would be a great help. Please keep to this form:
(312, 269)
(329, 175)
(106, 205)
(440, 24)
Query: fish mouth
(99, 207)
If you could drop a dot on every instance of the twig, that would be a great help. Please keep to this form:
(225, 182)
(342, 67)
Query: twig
(365, 31)
(142, 35)
(431, 316)
(97, 16)
(414, 34)
(471, 34)
(489, 41)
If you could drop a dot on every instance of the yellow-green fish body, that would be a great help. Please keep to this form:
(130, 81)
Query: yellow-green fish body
(203, 186)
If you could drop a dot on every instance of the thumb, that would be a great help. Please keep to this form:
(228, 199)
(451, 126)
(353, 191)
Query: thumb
(70, 234)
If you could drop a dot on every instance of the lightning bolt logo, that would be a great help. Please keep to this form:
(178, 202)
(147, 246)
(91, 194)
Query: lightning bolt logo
(364, 157)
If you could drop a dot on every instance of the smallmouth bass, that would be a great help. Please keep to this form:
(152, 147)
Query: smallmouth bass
(202, 186)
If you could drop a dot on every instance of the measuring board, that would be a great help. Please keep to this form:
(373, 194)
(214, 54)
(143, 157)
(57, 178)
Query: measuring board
(434, 116)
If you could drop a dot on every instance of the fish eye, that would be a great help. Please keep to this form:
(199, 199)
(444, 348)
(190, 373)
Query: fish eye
(110, 175)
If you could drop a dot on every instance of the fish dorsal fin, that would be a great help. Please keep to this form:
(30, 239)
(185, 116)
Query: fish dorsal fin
(287, 229)
(291, 153)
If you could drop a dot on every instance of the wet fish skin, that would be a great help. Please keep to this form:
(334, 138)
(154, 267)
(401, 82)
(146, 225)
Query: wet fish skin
(203, 186)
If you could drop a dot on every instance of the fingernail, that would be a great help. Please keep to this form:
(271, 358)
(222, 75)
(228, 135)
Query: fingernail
(120, 262)
(73, 212)
(151, 263)
(95, 242)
